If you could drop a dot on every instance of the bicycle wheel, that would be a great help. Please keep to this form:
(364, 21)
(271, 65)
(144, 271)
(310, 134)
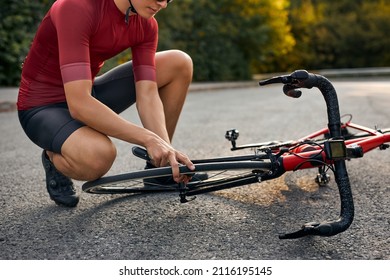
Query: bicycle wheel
(221, 175)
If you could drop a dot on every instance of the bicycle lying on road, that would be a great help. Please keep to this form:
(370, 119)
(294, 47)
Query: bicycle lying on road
(327, 150)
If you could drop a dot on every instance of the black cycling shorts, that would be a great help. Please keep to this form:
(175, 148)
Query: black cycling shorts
(49, 126)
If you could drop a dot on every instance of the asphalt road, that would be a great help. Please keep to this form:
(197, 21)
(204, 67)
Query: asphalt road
(237, 224)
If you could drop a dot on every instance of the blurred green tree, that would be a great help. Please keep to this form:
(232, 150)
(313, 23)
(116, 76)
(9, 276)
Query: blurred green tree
(233, 39)
(228, 39)
(341, 34)
(19, 20)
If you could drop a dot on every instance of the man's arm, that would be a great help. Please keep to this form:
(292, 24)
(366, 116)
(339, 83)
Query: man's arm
(93, 113)
(150, 108)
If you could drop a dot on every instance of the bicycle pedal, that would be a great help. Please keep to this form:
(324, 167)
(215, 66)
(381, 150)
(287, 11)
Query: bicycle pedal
(141, 153)
(384, 146)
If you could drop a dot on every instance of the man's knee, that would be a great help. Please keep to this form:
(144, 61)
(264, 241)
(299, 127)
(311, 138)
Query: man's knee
(89, 154)
(180, 61)
(183, 60)
(99, 161)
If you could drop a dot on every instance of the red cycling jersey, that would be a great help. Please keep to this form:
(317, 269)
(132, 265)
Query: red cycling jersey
(72, 43)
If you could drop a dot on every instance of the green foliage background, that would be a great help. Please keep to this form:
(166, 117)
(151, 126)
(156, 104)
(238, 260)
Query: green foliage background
(234, 39)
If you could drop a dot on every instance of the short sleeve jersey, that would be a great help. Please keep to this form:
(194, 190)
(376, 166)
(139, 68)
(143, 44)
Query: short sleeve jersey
(72, 43)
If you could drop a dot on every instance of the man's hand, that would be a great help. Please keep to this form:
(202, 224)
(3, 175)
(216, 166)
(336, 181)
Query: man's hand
(162, 154)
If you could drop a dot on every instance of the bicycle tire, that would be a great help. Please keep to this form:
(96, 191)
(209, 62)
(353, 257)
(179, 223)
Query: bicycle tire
(222, 175)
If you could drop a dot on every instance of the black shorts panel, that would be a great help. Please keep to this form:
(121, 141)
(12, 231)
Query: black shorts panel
(116, 88)
(49, 126)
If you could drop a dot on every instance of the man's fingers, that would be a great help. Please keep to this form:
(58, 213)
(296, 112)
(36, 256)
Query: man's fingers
(173, 158)
(175, 170)
(186, 161)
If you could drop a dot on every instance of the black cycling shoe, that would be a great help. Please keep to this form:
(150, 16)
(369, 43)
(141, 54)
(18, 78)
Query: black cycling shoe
(60, 187)
(168, 180)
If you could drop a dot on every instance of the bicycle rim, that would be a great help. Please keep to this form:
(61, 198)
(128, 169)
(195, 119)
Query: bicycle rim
(221, 175)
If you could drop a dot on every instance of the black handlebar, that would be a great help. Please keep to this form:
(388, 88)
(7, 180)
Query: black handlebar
(292, 84)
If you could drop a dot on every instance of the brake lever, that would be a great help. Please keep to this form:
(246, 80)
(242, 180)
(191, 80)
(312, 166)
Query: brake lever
(291, 83)
(292, 91)
(141, 153)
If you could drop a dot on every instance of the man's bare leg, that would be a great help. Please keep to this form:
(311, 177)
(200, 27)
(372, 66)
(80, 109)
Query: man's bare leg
(174, 76)
(85, 155)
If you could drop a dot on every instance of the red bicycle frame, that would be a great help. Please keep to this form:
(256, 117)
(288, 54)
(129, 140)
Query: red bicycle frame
(309, 156)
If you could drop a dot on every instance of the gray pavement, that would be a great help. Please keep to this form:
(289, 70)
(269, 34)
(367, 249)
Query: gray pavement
(237, 224)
